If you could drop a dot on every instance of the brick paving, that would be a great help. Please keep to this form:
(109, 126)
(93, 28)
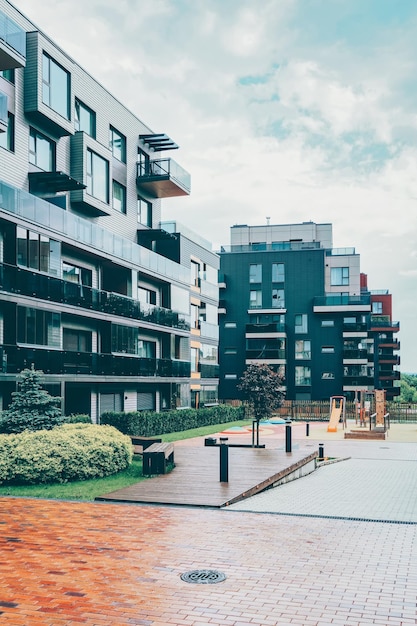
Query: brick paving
(67, 563)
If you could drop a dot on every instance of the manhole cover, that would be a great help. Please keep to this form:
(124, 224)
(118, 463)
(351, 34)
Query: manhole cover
(203, 576)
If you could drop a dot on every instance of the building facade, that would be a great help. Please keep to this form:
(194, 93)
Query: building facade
(292, 301)
(93, 290)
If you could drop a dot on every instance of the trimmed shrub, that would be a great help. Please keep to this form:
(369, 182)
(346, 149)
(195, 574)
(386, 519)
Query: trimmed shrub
(150, 423)
(79, 418)
(68, 452)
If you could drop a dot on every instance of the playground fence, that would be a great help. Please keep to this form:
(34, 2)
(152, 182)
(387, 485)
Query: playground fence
(318, 411)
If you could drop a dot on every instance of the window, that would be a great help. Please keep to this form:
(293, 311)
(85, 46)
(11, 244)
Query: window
(195, 323)
(97, 176)
(41, 151)
(195, 274)
(349, 320)
(146, 296)
(339, 276)
(230, 325)
(302, 349)
(76, 340)
(144, 212)
(55, 86)
(117, 144)
(230, 376)
(302, 375)
(147, 349)
(7, 138)
(8, 75)
(119, 197)
(327, 323)
(327, 376)
(327, 349)
(75, 274)
(255, 273)
(278, 272)
(255, 299)
(38, 327)
(230, 351)
(278, 299)
(85, 119)
(37, 251)
(194, 360)
(124, 339)
(300, 323)
(377, 307)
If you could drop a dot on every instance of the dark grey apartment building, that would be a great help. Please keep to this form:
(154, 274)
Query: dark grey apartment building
(118, 309)
(292, 301)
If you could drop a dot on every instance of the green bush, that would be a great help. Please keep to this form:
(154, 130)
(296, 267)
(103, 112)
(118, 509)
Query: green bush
(150, 423)
(68, 452)
(80, 418)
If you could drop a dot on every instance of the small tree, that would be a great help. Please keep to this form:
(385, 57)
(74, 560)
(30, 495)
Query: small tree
(262, 389)
(32, 408)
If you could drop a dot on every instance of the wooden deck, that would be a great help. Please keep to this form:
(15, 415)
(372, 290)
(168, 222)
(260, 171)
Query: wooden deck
(195, 480)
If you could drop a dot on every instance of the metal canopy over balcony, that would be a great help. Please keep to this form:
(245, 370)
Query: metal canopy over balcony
(53, 182)
(163, 178)
(12, 44)
(159, 141)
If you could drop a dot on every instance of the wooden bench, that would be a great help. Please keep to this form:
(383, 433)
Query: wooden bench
(142, 443)
(157, 457)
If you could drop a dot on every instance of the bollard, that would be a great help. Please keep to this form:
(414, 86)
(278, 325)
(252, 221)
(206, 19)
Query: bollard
(288, 436)
(321, 451)
(224, 460)
(307, 429)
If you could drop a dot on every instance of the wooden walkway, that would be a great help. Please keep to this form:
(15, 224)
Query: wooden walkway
(195, 480)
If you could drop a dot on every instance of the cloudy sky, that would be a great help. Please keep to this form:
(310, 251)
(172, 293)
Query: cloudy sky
(295, 110)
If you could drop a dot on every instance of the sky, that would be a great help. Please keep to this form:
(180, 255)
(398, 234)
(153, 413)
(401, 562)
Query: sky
(293, 110)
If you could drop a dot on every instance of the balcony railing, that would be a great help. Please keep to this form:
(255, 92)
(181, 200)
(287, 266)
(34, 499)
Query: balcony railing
(12, 44)
(208, 370)
(341, 300)
(355, 354)
(163, 178)
(61, 362)
(359, 327)
(273, 327)
(20, 281)
(377, 325)
(266, 354)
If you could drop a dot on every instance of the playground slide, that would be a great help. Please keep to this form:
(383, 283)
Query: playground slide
(334, 419)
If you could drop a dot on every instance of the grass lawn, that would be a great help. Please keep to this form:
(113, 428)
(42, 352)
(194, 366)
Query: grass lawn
(90, 489)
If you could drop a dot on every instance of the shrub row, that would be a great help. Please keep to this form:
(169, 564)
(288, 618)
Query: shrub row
(150, 423)
(65, 453)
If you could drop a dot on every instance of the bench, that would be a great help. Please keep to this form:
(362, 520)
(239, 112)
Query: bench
(157, 457)
(142, 443)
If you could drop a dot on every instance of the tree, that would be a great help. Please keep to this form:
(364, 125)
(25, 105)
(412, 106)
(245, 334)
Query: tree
(262, 389)
(32, 408)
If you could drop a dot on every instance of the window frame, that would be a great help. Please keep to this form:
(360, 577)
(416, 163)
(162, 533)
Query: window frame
(339, 276)
(78, 125)
(144, 204)
(35, 157)
(48, 90)
(91, 158)
(255, 273)
(115, 136)
(123, 201)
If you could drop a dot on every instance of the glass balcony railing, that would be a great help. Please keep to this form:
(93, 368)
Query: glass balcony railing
(266, 354)
(82, 231)
(12, 34)
(273, 327)
(341, 300)
(164, 169)
(41, 286)
(208, 371)
(90, 363)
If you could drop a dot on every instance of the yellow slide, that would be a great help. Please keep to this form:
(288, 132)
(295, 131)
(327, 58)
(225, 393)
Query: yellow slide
(334, 418)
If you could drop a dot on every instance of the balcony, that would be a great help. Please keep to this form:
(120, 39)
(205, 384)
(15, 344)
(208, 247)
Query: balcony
(163, 178)
(266, 355)
(61, 362)
(361, 327)
(208, 370)
(16, 280)
(355, 354)
(381, 326)
(339, 303)
(12, 44)
(265, 331)
(389, 359)
(389, 375)
(394, 344)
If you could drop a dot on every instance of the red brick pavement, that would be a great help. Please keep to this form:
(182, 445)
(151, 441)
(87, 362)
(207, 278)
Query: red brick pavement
(114, 565)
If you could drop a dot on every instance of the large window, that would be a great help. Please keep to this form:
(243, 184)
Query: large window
(147, 349)
(377, 308)
(38, 252)
(339, 276)
(255, 299)
(124, 339)
(278, 299)
(97, 176)
(41, 151)
(300, 323)
(194, 360)
(147, 296)
(302, 349)
(85, 119)
(55, 86)
(144, 212)
(255, 273)
(119, 197)
(75, 274)
(117, 145)
(278, 272)
(76, 340)
(302, 375)
(7, 138)
(38, 327)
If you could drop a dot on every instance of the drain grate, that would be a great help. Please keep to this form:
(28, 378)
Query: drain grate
(203, 576)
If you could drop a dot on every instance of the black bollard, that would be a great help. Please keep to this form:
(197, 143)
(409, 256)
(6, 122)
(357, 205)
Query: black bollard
(288, 446)
(307, 429)
(321, 451)
(224, 460)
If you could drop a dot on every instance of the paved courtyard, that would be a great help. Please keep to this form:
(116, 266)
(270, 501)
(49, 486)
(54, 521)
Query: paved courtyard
(115, 564)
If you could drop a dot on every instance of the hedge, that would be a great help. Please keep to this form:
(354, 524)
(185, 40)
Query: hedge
(65, 453)
(150, 423)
